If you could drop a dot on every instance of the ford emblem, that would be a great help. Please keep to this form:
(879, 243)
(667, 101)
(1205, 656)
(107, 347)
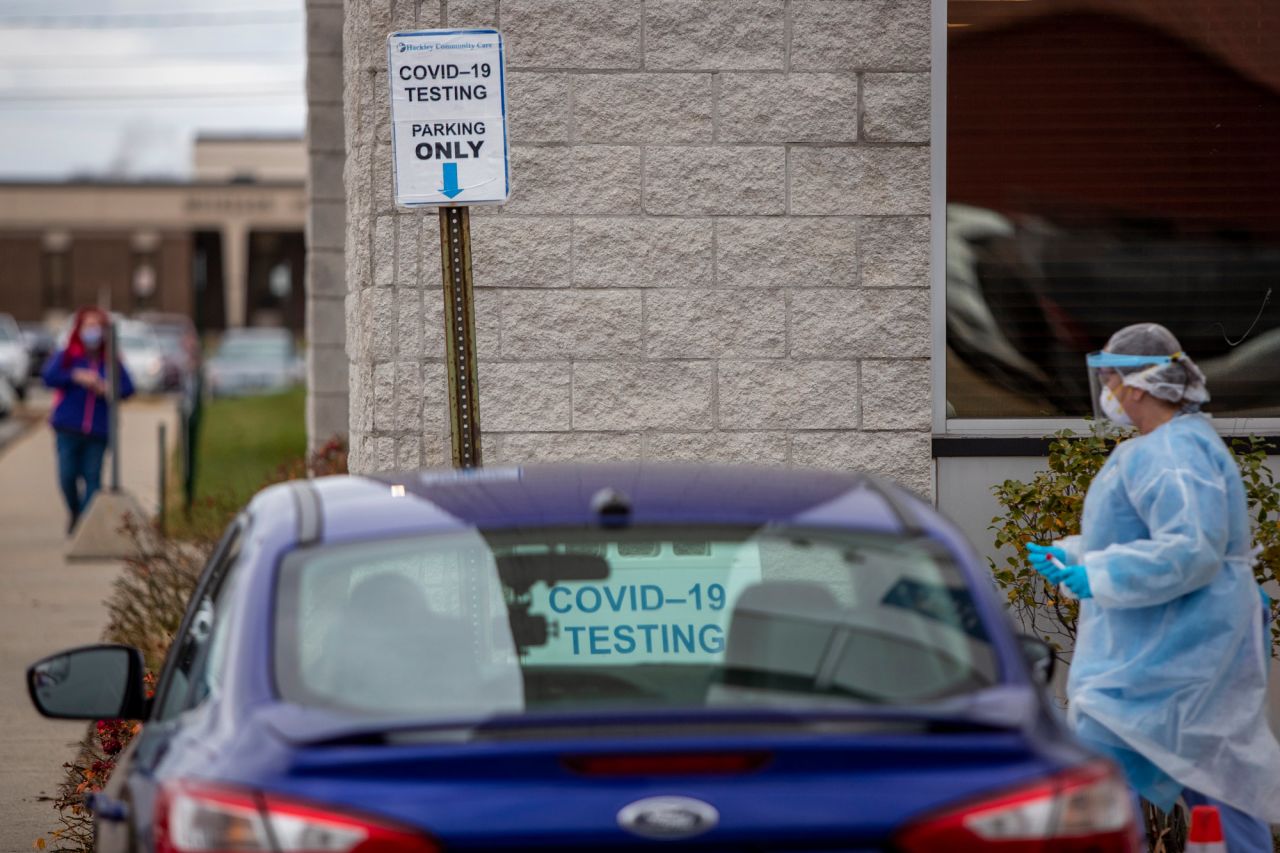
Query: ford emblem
(668, 817)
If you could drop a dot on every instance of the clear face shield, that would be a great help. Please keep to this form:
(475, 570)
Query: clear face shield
(1105, 379)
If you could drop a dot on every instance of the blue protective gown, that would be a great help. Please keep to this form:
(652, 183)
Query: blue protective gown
(1171, 658)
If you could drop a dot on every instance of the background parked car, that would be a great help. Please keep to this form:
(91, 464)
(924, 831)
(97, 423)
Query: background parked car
(250, 361)
(8, 399)
(40, 344)
(143, 356)
(15, 361)
(180, 344)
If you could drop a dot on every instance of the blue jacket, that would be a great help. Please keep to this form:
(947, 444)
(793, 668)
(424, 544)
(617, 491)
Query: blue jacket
(78, 410)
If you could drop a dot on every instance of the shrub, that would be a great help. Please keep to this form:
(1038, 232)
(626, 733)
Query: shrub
(144, 610)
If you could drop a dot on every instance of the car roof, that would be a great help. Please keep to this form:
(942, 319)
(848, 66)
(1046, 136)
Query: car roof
(655, 493)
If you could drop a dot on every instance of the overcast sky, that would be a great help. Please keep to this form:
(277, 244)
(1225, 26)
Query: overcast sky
(121, 87)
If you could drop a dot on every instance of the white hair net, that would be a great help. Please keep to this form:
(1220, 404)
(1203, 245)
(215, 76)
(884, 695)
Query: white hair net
(1179, 381)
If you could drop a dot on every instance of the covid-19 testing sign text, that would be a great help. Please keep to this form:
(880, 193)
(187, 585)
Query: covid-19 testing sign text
(449, 117)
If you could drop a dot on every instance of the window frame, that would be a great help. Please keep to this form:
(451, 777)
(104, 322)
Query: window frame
(212, 579)
(944, 426)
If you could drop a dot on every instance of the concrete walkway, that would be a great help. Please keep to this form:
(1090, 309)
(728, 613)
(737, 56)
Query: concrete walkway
(47, 604)
(10, 428)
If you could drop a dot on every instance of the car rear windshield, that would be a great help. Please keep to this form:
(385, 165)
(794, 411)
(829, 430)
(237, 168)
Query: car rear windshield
(472, 624)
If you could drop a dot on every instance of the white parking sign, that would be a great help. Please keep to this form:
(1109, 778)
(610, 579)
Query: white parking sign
(449, 117)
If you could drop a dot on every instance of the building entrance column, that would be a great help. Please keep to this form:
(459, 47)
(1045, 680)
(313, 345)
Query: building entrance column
(235, 272)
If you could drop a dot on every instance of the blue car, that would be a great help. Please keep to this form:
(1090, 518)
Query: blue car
(591, 657)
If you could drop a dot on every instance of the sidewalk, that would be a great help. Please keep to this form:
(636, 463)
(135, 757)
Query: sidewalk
(47, 604)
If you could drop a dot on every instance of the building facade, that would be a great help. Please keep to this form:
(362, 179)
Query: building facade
(871, 234)
(860, 233)
(225, 247)
(717, 244)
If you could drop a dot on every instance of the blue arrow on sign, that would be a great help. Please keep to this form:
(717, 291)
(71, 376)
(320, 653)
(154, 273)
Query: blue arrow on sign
(451, 187)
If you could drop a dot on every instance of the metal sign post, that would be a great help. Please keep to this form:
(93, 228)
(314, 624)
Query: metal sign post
(460, 335)
(449, 149)
(113, 403)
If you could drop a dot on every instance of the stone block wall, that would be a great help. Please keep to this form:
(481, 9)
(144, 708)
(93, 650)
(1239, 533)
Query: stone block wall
(717, 244)
(326, 275)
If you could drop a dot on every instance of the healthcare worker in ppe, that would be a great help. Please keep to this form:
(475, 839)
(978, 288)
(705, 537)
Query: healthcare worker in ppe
(1172, 644)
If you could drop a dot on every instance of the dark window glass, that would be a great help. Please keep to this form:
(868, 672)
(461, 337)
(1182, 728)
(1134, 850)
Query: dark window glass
(469, 625)
(1110, 164)
(196, 654)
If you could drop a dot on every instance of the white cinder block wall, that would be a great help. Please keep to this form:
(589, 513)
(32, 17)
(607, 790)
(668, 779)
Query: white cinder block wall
(717, 245)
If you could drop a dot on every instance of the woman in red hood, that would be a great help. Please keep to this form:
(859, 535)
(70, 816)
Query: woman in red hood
(79, 374)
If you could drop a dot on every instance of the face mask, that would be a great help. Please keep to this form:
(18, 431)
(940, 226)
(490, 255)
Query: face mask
(1113, 410)
(91, 337)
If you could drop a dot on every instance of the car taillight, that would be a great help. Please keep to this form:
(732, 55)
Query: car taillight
(1087, 808)
(199, 818)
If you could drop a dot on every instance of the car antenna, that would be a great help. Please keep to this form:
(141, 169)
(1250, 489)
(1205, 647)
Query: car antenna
(612, 506)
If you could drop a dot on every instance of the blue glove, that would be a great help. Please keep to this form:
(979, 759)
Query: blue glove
(1042, 553)
(1076, 579)
(1041, 558)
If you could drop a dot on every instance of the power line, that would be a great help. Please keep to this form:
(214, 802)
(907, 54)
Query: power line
(90, 97)
(144, 60)
(150, 20)
(206, 104)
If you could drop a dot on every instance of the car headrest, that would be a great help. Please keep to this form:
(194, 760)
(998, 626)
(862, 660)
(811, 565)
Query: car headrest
(786, 598)
(389, 597)
(781, 626)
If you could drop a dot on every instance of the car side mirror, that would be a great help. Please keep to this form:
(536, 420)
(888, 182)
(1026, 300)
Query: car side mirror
(102, 682)
(1040, 657)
